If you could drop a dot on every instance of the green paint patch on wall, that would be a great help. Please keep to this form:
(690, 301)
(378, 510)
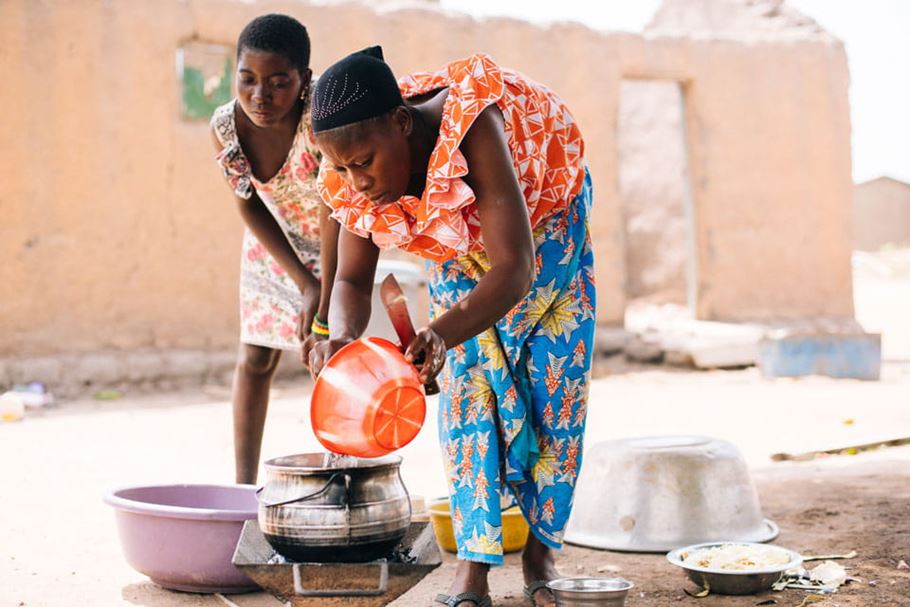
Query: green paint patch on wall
(204, 71)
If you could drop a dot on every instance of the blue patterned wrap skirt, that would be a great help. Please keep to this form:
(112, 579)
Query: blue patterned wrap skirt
(514, 398)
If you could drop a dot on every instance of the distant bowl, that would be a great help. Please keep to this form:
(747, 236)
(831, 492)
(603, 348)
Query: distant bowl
(726, 581)
(514, 527)
(183, 536)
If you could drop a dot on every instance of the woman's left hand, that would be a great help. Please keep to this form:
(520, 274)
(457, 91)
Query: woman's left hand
(307, 345)
(428, 351)
(322, 351)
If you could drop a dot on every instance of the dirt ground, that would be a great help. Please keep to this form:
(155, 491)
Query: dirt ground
(59, 545)
(828, 508)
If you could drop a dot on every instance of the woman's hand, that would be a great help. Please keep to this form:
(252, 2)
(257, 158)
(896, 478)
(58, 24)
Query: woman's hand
(428, 351)
(321, 352)
(307, 345)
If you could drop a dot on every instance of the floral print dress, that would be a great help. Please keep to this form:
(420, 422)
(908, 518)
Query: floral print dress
(513, 399)
(270, 302)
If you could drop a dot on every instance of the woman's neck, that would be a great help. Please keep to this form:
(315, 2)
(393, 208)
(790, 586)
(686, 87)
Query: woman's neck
(427, 117)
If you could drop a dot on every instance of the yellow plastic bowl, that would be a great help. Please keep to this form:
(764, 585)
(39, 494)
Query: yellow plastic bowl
(514, 527)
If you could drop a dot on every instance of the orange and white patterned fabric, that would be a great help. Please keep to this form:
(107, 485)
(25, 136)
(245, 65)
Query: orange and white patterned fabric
(547, 153)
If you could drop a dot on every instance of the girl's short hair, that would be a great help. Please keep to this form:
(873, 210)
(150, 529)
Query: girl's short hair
(280, 34)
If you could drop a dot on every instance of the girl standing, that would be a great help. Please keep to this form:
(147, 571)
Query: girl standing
(268, 157)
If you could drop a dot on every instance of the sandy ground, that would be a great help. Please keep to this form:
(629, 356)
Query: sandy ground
(58, 543)
(59, 547)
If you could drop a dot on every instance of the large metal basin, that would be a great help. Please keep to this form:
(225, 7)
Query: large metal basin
(655, 494)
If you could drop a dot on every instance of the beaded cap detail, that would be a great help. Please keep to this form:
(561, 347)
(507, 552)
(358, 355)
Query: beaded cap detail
(332, 102)
(359, 87)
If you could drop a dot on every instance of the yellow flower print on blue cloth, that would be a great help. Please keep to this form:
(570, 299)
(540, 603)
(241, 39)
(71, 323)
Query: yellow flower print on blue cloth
(514, 398)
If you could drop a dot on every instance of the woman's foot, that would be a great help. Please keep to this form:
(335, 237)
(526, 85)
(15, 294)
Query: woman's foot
(538, 565)
(470, 577)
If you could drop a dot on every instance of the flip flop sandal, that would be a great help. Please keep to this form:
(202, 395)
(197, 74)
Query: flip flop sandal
(457, 599)
(533, 587)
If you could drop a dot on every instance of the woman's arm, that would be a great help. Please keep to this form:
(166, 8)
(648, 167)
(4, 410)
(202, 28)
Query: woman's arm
(266, 230)
(505, 228)
(328, 257)
(328, 262)
(349, 311)
(508, 240)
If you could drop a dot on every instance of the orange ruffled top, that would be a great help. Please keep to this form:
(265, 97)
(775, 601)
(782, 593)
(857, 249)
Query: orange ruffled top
(547, 153)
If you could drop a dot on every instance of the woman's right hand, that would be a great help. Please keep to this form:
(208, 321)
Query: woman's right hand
(322, 351)
(307, 345)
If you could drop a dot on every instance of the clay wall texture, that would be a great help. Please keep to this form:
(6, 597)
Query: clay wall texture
(881, 214)
(119, 233)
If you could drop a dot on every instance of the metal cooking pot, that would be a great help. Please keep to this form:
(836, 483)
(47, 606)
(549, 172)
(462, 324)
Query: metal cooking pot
(355, 512)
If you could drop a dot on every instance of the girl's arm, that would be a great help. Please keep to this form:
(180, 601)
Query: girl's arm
(509, 243)
(267, 231)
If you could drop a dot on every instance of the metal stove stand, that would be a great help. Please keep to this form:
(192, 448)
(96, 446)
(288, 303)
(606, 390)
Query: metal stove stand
(372, 584)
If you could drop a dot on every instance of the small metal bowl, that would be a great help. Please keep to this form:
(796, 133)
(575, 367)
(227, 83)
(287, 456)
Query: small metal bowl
(590, 591)
(725, 581)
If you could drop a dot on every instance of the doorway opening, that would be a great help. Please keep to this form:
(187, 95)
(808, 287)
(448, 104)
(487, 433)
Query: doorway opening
(655, 195)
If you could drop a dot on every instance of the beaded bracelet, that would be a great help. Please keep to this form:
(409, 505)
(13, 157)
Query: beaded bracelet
(319, 328)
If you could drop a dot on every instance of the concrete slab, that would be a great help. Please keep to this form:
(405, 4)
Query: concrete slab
(857, 356)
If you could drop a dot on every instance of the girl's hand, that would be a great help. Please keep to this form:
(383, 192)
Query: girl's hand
(321, 352)
(309, 294)
(428, 352)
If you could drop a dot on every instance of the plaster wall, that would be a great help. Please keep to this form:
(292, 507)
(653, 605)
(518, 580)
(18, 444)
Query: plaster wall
(118, 232)
(881, 210)
(769, 157)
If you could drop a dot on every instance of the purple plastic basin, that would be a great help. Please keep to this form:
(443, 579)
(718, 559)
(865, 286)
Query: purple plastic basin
(183, 536)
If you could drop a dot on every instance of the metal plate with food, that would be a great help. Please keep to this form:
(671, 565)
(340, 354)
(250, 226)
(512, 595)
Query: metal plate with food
(734, 567)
